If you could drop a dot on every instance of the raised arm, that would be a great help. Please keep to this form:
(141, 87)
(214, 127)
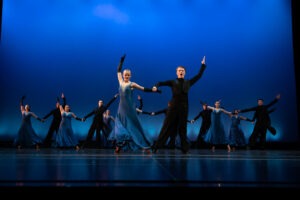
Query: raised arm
(119, 70)
(61, 108)
(64, 99)
(200, 73)
(111, 101)
(22, 108)
(274, 101)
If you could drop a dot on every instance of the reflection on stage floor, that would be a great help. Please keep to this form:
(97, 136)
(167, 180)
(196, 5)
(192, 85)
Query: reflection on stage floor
(167, 169)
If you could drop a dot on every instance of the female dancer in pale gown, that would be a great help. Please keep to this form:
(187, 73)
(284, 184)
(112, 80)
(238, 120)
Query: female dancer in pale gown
(128, 132)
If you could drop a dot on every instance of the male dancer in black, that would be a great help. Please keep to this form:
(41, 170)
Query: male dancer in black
(97, 124)
(172, 141)
(176, 118)
(205, 124)
(55, 121)
(262, 122)
(171, 144)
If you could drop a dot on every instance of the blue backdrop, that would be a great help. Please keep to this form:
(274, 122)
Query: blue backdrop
(74, 46)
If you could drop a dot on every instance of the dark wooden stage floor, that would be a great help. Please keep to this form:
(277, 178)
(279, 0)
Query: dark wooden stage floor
(167, 170)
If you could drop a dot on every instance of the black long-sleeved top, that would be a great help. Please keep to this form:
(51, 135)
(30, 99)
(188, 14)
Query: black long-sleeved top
(98, 112)
(261, 115)
(180, 87)
(56, 113)
(206, 116)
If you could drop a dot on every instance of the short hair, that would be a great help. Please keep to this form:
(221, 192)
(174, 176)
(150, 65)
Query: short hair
(180, 66)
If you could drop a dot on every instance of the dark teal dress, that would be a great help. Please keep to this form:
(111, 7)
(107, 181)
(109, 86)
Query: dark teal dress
(26, 136)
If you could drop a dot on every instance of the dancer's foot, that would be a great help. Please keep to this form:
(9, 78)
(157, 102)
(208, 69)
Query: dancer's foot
(117, 150)
(147, 151)
(213, 148)
(228, 148)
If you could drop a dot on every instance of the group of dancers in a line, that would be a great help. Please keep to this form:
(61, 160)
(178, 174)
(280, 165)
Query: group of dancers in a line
(124, 132)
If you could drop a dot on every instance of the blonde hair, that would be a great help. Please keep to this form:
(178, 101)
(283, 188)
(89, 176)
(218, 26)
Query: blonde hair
(127, 71)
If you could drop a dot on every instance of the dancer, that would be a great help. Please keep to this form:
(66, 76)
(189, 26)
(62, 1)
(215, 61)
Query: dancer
(236, 134)
(262, 123)
(171, 143)
(217, 134)
(65, 137)
(27, 136)
(55, 122)
(176, 119)
(97, 124)
(128, 131)
(109, 122)
(205, 114)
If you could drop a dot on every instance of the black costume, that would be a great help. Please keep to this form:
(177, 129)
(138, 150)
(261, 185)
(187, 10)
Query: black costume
(262, 124)
(97, 125)
(54, 124)
(171, 144)
(205, 125)
(176, 118)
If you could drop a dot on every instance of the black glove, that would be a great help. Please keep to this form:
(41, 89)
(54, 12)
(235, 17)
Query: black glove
(78, 118)
(249, 120)
(22, 99)
(150, 90)
(121, 63)
(122, 58)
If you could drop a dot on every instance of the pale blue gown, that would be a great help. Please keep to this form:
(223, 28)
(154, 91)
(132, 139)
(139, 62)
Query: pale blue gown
(128, 132)
(65, 137)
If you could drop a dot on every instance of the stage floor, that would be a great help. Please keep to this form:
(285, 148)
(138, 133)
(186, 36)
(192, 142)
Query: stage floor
(167, 169)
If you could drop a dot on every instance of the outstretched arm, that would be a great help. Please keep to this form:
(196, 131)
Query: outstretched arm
(163, 111)
(245, 118)
(38, 118)
(197, 117)
(226, 112)
(77, 118)
(152, 90)
(137, 86)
